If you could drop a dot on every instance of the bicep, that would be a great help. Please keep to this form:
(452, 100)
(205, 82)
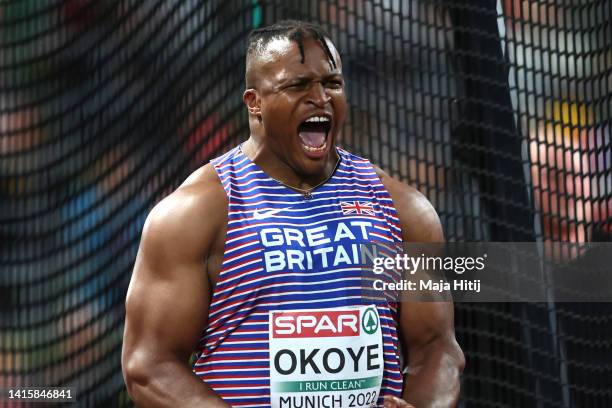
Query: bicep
(167, 301)
(166, 314)
(423, 323)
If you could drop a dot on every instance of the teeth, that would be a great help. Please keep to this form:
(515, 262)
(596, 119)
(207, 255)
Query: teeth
(315, 149)
(318, 119)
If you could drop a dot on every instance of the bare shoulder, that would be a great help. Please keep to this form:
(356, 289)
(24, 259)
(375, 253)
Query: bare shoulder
(187, 221)
(418, 218)
(168, 297)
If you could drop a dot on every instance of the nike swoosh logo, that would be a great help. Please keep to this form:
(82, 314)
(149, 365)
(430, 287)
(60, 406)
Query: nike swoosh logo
(262, 215)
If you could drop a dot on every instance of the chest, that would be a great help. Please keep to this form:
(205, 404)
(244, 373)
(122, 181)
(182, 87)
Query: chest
(316, 235)
(333, 244)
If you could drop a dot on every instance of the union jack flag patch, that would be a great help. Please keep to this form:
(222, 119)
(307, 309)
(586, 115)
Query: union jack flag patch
(356, 207)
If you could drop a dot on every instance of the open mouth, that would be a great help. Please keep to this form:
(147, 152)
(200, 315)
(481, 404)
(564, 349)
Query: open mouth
(313, 133)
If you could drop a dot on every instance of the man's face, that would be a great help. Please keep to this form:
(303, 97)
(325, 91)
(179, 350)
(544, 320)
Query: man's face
(303, 105)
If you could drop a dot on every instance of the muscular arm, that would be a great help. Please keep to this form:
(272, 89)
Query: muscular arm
(169, 294)
(427, 331)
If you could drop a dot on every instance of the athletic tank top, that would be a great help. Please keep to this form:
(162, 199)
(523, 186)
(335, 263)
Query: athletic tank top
(285, 252)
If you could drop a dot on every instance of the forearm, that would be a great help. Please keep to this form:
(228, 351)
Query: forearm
(170, 384)
(433, 380)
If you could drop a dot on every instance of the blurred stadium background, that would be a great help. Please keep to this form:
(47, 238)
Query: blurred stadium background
(498, 111)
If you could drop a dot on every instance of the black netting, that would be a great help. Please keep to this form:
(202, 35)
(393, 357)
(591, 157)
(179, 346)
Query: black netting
(497, 111)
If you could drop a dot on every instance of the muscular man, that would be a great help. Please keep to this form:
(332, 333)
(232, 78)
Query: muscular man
(252, 262)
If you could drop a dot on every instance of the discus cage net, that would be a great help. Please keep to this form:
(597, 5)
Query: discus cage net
(497, 111)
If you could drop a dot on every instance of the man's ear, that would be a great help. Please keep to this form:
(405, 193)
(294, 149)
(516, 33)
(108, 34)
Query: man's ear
(253, 102)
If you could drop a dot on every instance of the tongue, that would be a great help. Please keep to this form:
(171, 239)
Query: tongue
(312, 139)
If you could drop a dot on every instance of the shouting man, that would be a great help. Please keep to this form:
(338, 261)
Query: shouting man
(253, 262)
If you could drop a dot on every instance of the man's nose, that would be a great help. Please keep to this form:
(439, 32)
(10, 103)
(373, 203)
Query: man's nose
(317, 95)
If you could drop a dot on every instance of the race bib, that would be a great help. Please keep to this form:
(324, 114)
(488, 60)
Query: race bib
(325, 358)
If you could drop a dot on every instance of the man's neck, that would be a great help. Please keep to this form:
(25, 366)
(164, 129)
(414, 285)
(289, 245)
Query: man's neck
(277, 168)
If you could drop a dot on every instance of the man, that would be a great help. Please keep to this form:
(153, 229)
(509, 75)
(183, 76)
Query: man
(249, 262)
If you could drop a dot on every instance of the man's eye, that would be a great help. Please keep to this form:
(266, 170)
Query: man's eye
(334, 84)
(297, 85)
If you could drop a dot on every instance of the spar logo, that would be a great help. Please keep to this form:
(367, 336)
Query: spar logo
(330, 323)
(369, 321)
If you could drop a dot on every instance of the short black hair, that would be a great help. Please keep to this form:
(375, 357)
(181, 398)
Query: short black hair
(293, 30)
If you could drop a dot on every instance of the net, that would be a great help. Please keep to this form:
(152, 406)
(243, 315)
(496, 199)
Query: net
(497, 111)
